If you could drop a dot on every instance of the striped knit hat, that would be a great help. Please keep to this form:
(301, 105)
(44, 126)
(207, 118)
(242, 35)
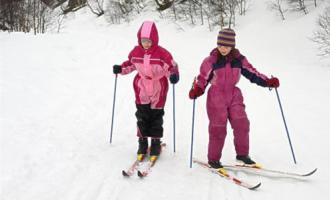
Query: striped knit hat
(226, 37)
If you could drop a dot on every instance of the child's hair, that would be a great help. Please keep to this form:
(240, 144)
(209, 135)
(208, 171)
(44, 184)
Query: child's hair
(234, 53)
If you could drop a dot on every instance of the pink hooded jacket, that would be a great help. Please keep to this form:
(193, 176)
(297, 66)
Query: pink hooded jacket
(154, 66)
(226, 73)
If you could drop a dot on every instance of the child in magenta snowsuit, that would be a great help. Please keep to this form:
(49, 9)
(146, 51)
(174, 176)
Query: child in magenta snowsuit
(154, 65)
(222, 69)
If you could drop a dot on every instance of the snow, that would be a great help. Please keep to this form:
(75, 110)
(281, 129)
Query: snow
(56, 102)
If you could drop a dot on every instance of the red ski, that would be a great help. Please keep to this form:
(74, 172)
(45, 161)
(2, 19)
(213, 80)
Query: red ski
(138, 162)
(224, 174)
(260, 170)
(130, 171)
(151, 162)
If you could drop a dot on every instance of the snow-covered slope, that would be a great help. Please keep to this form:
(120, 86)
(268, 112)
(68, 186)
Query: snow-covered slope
(56, 103)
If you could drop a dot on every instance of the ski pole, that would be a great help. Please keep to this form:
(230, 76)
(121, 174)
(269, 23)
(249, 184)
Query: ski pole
(192, 133)
(113, 108)
(286, 127)
(173, 118)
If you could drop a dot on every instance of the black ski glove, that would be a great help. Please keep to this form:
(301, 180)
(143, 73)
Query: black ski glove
(116, 69)
(174, 78)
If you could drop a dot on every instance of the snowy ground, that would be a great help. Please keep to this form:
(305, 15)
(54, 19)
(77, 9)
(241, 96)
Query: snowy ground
(56, 101)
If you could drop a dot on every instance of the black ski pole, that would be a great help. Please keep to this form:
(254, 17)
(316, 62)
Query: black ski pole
(113, 108)
(286, 127)
(192, 133)
(173, 118)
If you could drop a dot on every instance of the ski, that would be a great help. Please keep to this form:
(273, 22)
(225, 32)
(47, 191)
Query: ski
(151, 162)
(130, 171)
(259, 169)
(224, 174)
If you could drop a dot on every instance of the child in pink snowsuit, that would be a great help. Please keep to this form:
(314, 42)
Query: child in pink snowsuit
(223, 69)
(154, 65)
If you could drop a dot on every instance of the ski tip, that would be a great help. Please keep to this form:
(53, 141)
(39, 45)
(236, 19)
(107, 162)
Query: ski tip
(125, 174)
(255, 187)
(140, 174)
(310, 173)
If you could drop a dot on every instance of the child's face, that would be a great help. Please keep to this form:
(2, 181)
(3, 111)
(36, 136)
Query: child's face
(146, 43)
(224, 50)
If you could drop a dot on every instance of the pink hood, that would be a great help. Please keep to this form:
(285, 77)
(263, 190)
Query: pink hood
(148, 30)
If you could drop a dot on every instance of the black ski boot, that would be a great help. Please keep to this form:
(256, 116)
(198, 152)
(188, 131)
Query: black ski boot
(245, 159)
(215, 164)
(155, 147)
(143, 146)
(218, 166)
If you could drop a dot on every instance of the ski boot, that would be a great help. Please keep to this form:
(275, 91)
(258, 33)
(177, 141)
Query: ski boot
(143, 148)
(218, 166)
(246, 160)
(155, 149)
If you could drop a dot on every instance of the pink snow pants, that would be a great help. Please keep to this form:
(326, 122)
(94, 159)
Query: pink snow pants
(221, 106)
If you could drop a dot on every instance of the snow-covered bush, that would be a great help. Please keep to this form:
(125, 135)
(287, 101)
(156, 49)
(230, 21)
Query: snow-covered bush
(322, 35)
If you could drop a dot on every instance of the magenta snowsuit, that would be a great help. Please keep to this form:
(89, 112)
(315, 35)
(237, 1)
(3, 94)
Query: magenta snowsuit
(154, 66)
(225, 100)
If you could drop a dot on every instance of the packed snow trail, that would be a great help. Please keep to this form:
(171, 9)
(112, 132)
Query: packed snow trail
(56, 97)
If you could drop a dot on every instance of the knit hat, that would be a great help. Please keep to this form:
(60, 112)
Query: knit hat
(226, 37)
